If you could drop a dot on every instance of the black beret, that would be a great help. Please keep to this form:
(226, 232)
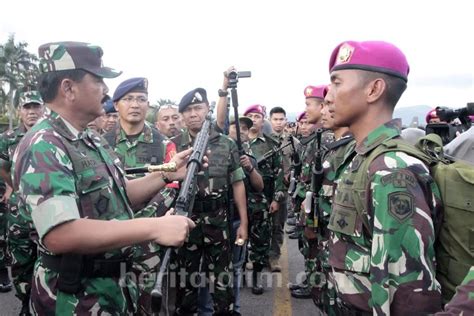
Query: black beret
(198, 95)
(130, 85)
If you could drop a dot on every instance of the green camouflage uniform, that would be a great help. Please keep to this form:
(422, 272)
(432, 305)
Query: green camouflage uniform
(210, 239)
(463, 301)
(308, 246)
(137, 153)
(63, 175)
(3, 229)
(259, 219)
(383, 261)
(22, 249)
(323, 292)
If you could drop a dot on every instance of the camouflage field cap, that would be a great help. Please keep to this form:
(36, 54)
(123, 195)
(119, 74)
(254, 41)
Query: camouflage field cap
(30, 97)
(74, 55)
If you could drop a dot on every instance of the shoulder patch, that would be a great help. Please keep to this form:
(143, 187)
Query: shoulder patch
(401, 205)
(399, 179)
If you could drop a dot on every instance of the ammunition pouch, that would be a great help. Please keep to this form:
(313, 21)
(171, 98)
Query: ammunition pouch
(344, 309)
(73, 267)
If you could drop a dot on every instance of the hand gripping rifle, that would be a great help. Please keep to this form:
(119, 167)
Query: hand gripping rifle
(295, 167)
(185, 201)
(312, 196)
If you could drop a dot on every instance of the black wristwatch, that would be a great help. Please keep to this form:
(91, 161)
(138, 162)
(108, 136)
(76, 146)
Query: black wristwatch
(223, 93)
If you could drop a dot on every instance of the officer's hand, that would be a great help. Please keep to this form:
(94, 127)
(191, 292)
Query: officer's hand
(246, 163)
(173, 230)
(242, 234)
(181, 160)
(7, 194)
(274, 207)
(225, 83)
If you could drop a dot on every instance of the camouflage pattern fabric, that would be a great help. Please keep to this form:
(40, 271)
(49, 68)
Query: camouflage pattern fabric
(3, 230)
(385, 258)
(463, 301)
(134, 153)
(22, 249)
(323, 292)
(73, 55)
(209, 241)
(61, 175)
(30, 97)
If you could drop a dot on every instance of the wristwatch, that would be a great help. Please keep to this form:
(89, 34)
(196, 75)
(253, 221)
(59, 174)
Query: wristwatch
(165, 178)
(223, 93)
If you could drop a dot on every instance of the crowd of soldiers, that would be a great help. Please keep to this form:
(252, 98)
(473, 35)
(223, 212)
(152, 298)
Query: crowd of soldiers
(81, 229)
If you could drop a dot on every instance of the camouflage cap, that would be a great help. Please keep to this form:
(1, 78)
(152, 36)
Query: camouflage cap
(242, 120)
(74, 55)
(30, 97)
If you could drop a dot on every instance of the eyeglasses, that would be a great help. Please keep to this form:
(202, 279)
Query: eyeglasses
(140, 100)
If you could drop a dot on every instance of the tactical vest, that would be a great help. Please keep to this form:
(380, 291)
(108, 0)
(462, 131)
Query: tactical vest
(147, 153)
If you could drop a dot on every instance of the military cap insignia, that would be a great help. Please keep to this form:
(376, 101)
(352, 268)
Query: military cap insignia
(401, 205)
(197, 98)
(308, 92)
(344, 54)
(145, 83)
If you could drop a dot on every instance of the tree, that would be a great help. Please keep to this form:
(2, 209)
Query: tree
(18, 72)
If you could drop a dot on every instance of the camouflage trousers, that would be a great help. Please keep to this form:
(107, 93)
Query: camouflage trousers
(97, 296)
(260, 233)
(205, 260)
(4, 258)
(22, 249)
(147, 255)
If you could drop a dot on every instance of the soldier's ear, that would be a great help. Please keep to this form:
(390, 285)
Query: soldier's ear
(66, 88)
(375, 90)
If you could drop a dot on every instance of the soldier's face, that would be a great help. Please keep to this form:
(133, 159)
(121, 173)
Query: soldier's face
(313, 109)
(169, 121)
(30, 114)
(305, 127)
(346, 92)
(132, 107)
(244, 132)
(88, 96)
(194, 116)
(257, 120)
(278, 121)
(327, 118)
(110, 121)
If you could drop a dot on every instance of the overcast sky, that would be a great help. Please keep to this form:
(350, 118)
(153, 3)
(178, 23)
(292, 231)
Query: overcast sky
(181, 45)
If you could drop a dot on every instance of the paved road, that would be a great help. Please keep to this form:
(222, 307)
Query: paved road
(276, 299)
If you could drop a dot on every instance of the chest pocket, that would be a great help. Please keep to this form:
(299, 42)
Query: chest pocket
(95, 189)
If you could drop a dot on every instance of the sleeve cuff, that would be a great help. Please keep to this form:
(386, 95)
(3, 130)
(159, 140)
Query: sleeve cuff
(53, 212)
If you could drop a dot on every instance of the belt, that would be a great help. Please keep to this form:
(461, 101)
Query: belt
(92, 268)
(211, 205)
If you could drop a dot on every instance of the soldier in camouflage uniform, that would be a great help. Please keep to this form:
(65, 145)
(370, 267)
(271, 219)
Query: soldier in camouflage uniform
(208, 245)
(5, 283)
(20, 246)
(263, 208)
(168, 120)
(72, 184)
(307, 238)
(381, 246)
(137, 144)
(322, 292)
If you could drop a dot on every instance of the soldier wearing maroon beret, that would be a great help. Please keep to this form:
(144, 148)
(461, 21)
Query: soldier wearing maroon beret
(381, 246)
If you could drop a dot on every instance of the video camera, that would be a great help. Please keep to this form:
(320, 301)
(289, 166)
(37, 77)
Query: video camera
(447, 130)
(235, 75)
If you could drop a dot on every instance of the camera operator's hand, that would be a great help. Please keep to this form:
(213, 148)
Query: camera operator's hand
(225, 83)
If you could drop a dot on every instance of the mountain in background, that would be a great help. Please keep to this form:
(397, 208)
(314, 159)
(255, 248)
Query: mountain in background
(405, 113)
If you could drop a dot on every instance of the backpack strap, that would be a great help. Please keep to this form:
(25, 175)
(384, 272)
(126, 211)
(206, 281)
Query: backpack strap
(361, 178)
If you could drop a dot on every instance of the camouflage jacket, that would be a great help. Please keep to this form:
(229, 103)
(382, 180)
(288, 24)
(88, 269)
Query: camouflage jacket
(62, 174)
(9, 141)
(136, 153)
(307, 161)
(271, 170)
(385, 257)
(287, 151)
(463, 301)
(224, 166)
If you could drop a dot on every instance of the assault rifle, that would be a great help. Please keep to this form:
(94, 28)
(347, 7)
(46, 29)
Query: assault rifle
(312, 196)
(295, 168)
(185, 201)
